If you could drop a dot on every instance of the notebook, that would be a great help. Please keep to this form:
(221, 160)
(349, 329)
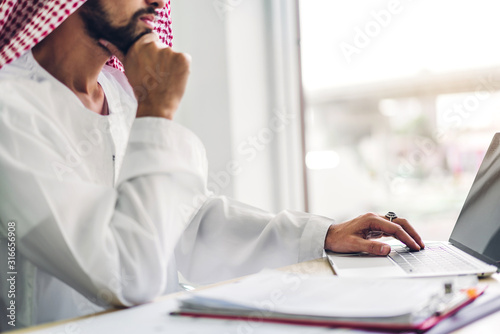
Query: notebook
(473, 247)
(395, 304)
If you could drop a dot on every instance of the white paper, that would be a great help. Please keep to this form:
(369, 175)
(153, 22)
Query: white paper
(154, 318)
(328, 296)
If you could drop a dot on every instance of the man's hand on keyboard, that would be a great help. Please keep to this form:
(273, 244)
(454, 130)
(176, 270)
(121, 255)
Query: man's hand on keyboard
(355, 235)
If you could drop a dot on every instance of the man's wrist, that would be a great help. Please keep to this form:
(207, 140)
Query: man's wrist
(328, 237)
(147, 110)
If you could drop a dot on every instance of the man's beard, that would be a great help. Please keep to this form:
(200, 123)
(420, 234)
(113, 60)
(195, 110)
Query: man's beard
(98, 25)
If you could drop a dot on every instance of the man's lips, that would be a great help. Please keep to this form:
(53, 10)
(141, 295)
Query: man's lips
(149, 20)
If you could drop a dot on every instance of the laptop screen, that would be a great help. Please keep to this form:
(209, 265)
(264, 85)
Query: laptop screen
(477, 230)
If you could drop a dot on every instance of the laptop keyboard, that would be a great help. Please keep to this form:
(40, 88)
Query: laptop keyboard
(434, 258)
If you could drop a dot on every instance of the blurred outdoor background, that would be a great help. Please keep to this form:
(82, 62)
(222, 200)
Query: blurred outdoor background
(401, 104)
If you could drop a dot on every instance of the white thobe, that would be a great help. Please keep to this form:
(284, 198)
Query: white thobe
(107, 209)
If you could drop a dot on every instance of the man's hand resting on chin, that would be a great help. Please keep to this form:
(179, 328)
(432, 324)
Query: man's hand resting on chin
(354, 235)
(157, 74)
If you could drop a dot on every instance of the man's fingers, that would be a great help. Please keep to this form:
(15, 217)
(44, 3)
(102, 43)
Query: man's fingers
(411, 231)
(354, 235)
(395, 230)
(373, 247)
(113, 49)
(375, 234)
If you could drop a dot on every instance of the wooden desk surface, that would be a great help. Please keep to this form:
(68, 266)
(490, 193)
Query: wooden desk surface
(489, 324)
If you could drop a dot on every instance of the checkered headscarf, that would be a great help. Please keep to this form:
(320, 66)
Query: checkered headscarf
(24, 23)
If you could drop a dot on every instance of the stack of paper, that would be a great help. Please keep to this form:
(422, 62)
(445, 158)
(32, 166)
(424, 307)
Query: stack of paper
(333, 301)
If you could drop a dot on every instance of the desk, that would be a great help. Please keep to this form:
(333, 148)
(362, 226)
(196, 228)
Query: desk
(153, 317)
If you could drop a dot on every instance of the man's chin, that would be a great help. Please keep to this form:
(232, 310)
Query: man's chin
(145, 32)
(139, 36)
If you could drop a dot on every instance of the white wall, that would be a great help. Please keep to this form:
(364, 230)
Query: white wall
(239, 91)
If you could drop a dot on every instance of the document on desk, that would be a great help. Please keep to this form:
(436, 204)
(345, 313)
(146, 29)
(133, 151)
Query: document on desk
(396, 304)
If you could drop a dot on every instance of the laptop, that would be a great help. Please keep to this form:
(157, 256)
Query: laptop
(473, 247)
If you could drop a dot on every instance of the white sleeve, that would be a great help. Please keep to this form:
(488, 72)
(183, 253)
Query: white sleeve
(105, 242)
(228, 239)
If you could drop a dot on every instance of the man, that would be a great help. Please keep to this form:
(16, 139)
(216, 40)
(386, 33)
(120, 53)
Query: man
(106, 196)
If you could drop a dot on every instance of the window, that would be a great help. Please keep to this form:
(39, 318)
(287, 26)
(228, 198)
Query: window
(401, 104)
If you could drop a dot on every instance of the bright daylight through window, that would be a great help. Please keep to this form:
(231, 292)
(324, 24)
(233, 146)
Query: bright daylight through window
(401, 103)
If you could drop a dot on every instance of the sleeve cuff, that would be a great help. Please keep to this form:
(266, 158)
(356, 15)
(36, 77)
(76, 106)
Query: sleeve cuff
(313, 237)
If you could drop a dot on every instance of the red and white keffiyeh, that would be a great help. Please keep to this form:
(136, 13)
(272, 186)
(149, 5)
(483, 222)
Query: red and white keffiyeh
(24, 23)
